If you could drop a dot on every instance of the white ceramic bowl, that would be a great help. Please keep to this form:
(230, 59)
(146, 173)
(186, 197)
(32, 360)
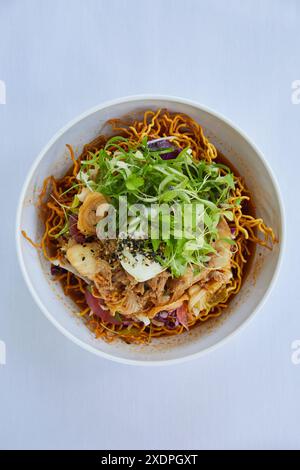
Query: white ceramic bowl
(246, 158)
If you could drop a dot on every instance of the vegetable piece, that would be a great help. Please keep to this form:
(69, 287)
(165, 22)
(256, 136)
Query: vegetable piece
(163, 145)
(162, 316)
(168, 307)
(172, 321)
(87, 217)
(134, 182)
(143, 318)
(64, 266)
(83, 194)
(95, 305)
(139, 266)
(182, 316)
(74, 232)
(84, 259)
(222, 258)
(56, 270)
(168, 319)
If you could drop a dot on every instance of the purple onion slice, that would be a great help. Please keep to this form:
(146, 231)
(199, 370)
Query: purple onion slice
(74, 232)
(95, 305)
(163, 144)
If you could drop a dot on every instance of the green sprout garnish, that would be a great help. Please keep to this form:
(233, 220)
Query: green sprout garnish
(143, 176)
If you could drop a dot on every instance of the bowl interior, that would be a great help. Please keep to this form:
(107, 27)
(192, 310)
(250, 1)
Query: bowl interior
(60, 310)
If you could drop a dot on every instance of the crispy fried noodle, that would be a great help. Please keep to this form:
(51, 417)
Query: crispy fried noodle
(136, 288)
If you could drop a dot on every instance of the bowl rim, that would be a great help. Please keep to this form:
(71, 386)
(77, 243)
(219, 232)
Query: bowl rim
(25, 272)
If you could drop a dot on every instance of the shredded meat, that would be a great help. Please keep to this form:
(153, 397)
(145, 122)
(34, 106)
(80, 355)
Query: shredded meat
(131, 303)
(178, 286)
(157, 287)
(122, 293)
(104, 274)
(219, 267)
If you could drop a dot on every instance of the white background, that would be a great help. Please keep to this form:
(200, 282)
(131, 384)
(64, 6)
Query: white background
(58, 58)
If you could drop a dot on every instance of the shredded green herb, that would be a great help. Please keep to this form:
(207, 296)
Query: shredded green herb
(143, 176)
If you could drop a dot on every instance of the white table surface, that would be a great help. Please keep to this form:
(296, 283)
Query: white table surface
(58, 58)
